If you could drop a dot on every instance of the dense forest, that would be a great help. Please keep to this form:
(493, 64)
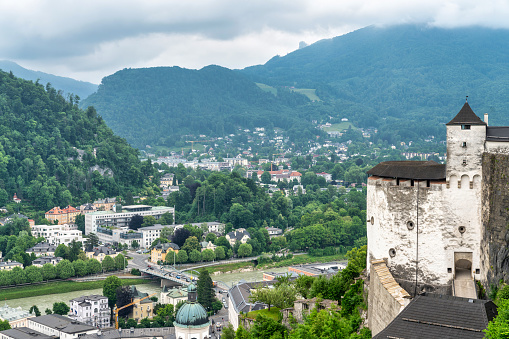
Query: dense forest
(158, 106)
(54, 154)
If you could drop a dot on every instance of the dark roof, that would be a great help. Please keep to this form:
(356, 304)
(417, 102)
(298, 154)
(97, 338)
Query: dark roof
(466, 117)
(25, 333)
(421, 170)
(497, 133)
(238, 234)
(62, 324)
(440, 316)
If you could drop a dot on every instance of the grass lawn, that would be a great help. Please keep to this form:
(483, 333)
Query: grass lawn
(229, 267)
(339, 127)
(309, 92)
(59, 287)
(267, 88)
(274, 313)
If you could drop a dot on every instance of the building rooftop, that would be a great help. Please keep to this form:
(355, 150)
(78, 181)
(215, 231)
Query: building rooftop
(497, 133)
(466, 117)
(418, 170)
(62, 324)
(93, 297)
(11, 314)
(440, 316)
(25, 333)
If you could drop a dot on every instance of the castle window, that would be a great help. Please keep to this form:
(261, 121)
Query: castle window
(465, 126)
(372, 220)
(410, 225)
(449, 270)
(392, 252)
(477, 271)
(462, 229)
(464, 162)
(464, 144)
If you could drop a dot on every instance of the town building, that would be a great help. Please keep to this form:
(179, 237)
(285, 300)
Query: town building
(88, 208)
(122, 216)
(41, 261)
(313, 270)
(241, 235)
(62, 215)
(166, 180)
(9, 218)
(142, 309)
(239, 303)
(326, 176)
(173, 296)
(9, 265)
(91, 309)
(15, 316)
(59, 326)
(159, 251)
(58, 234)
(42, 249)
(191, 320)
(274, 231)
(119, 235)
(105, 204)
(207, 245)
(282, 175)
(100, 252)
(150, 233)
(23, 333)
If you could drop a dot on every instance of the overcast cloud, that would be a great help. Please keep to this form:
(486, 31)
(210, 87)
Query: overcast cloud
(88, 40)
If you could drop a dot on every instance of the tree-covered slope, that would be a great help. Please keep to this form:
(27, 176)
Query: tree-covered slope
(47, 147)
(69, 86)
(159, 105)
(405, 80)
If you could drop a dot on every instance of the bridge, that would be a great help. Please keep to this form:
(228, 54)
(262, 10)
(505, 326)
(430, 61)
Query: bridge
(167, 274)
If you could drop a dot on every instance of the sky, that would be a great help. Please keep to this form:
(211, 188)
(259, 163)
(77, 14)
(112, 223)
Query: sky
(88, 40)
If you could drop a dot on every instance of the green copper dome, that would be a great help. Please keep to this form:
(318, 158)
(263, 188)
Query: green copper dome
(191, 314)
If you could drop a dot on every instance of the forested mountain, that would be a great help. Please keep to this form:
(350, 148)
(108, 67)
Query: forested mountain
(53, 153)
(67, 85)
(405, 80)
(159, 105)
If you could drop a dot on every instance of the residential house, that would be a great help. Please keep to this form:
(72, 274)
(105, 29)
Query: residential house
(39, 262)
(173, 296)
(274, 231)
(62, 215)
(105, 204)
(326, 176)
(240, 234)
(88, 208)
(100, 252)
(5, 220)
(9, 265)
(15, 316)
(159, 251)
(58, 234)
(59, 326)
(166, 180)
(143, 309)
(91, 309)
(282, 175)
(207, 246)
(42, 249)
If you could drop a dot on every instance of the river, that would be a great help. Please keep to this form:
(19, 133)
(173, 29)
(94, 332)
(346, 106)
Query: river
(46, 301)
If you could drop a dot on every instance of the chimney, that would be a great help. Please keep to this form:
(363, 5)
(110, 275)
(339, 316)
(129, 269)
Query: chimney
(486, 118)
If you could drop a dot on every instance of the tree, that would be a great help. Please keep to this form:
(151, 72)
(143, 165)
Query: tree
(48, 271)
(191, 244)
(166, 219)
(149, 220)
(180, 236)
(136, 222)
(65, 270)
(266, 328)
(123, 295)
(91, 242)
(120, 262)
(4, 325)
(35, 310)
(62, 251)
(110, 289)
(108, 264)
(135, 244)
(245, 250)
(94, 266)
(205, 290)
(208, 255)
(48, 311)
(222, 241)
(303, 285)
(194, 256)
(167, 232)
(74, 250)
(182, 256)
(80, 222)
(33, 274)
(265, 178)
(60, 308)
(211, 237)
(171, 257)
(220, 253)
(80, 268)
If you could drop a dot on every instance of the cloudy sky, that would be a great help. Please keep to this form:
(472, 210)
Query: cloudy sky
(90, 39)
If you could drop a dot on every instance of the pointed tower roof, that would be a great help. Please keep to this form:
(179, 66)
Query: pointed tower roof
(466, 117)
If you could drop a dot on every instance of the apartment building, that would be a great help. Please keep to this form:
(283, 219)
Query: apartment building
(56, 325)
(62, 215)
(58, 234)
(91, 309)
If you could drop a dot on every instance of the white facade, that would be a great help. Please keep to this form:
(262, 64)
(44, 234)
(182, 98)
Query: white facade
(432, 225)
(58, 234)
(195, 332)
(122, 219)
(92, 310)
(149, 234)
(60, 326)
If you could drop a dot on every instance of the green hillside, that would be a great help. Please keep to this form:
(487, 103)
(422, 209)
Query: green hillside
(406, 80)
(158, 106)
(47, 149)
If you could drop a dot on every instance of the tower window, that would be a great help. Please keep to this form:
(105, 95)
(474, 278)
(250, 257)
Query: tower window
(464, 144)
(465, 126)
(464, 163)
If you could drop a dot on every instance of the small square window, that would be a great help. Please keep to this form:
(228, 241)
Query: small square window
(464, 144)
(465, 126)
(449, 270)
(477, 271)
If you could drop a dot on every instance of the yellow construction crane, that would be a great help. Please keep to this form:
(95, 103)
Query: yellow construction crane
(130, 304)
(198, 141)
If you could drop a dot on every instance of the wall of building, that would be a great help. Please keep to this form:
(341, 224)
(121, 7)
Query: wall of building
(393, 219)
(386, 298)
(495, 215)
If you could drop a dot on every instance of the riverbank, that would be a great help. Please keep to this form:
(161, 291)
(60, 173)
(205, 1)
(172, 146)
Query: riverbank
(59, 287)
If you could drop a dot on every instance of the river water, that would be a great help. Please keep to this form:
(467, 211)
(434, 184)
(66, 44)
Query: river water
(46, 301)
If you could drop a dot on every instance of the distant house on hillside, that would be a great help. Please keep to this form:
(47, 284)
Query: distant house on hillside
(238, 235)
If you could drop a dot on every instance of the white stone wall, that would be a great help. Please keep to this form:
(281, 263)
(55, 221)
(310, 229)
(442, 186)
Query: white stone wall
(440, 214)
(465, 160)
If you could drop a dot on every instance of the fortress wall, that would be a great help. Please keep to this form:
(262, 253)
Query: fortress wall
(495, 218)
(386, 298)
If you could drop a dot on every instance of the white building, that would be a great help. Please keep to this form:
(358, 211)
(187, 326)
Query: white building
(240, 234)
(122, 218)
(41, 261)
(92, 310)
(15, 316)
(58, 234)
(59, 326)
(151, 233)
(425, 218)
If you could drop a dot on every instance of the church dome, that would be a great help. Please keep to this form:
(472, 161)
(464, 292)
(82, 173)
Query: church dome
(191, 314)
